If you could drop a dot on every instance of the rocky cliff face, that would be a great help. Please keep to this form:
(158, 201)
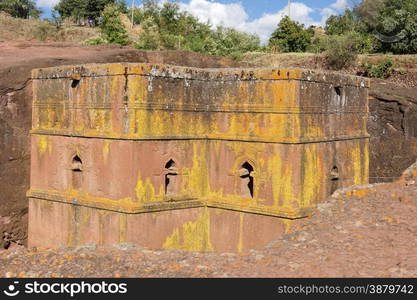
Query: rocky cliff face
(392, 125)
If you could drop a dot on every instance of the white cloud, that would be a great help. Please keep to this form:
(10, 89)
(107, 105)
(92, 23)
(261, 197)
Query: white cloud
(326, 13)
(229, 15)
(46, 3)
(234, 15)
(266, 24)
(340, 5)
(334, 9)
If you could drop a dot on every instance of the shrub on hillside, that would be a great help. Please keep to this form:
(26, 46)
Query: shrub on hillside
(44, 31)
(150, 38)
(112, 27)
(166, 26)
(342, 51)
(381, 70)
(290, 36)
(94, 41)
(20, 8)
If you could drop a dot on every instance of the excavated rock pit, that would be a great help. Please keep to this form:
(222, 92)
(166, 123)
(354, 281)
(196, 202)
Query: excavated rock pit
(392, 121)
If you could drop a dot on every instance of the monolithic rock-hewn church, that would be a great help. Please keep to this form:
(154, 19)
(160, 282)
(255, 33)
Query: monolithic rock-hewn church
(184, 158)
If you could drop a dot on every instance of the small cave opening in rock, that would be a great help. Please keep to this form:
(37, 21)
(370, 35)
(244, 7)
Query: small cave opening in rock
(75, 83)
(334, 177)
(170, 178)
(334, 174)
(338, 91)
(247, 180)
(76, 170)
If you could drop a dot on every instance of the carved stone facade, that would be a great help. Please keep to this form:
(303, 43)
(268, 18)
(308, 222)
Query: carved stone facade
(184, 158)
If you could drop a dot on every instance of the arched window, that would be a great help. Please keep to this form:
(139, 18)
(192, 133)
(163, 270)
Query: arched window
(338, 90)
(171, 180)
(334, 177)
(247, 181)
(338, 94)
(334, 174)
(76, 78)
(76, 172)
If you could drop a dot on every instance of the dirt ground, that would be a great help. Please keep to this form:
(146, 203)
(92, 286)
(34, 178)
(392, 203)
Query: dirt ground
(368, 231)
(37, 54)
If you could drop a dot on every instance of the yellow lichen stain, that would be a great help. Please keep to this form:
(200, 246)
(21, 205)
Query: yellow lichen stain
(262, 110)
(87, 199)
(197, 183)
(74, 225)
(106, 149)
(240, 243)
(161, 122)
(359, 193)
(70, 226)
(287, 226)
(101, 222)
(312, 174)
(282, 182)
(149, 114)
(44, 144)
(357, 165)
(122, 228)
(390, 219)
(51, 116)
(145, 191)
(287, 187)
(292, 226)
(312, 131)
(191, 236)
(275, 169)
(365, 164)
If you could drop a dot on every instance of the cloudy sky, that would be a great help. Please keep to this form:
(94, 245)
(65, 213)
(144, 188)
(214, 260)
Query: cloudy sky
(253, 16)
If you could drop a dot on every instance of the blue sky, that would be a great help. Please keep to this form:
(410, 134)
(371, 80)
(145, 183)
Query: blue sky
(252, 16)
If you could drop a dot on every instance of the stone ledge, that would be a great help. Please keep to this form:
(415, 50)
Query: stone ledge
(133, 137)
(127, 206)
(178, 72)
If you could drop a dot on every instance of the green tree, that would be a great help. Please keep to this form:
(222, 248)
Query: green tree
(112, 27)
(342, 51)
(349, 23)
(385, 25)
(395, 25)
(290, 36)
(149, 39)
(94, 8)
(168, 27)
(72, 9)
(230, 42)
(341, 24)
(20, 8)
(79, 10)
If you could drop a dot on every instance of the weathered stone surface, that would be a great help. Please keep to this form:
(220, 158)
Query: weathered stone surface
(392, 125)
(143, 138)
(16, 63)
(390, 152)
(410, 173)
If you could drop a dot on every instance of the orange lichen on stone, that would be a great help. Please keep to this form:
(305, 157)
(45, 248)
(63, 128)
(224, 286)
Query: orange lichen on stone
(390, 219)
